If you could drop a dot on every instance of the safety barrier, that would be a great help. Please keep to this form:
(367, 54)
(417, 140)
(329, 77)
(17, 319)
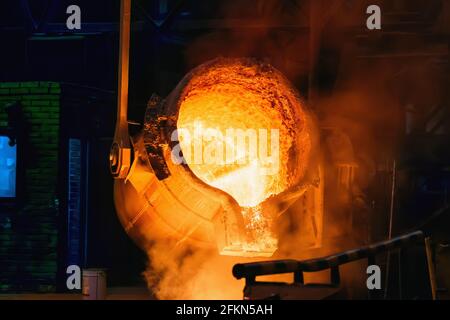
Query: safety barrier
(250, 271)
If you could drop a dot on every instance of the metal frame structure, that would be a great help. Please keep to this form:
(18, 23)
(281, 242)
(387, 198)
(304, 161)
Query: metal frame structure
(120, 154)
(250, 271)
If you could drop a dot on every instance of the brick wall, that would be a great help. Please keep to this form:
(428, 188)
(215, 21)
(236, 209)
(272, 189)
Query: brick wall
(28, 235)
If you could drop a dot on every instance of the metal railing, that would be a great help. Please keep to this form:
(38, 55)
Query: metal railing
(250, 271)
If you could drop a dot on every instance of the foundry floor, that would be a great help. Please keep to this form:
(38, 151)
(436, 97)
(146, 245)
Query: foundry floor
(114, 293)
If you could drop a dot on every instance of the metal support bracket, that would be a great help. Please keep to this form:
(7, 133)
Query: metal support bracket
(120, 153)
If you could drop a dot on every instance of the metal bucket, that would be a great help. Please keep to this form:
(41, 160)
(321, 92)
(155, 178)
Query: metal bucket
(94, 284)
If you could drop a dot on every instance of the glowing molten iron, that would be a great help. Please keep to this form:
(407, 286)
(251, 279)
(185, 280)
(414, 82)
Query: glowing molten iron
(252, 136)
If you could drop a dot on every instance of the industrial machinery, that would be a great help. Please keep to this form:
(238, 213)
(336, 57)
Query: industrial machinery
(225, 203)
(259, 153)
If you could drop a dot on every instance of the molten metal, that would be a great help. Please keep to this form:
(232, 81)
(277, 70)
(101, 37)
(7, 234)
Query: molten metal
(251, 98)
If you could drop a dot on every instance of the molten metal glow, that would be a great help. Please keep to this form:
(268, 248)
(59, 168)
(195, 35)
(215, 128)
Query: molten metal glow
(248, 101)
(256, 104)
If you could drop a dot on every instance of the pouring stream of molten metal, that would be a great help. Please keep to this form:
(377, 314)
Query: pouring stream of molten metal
(251, 163)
